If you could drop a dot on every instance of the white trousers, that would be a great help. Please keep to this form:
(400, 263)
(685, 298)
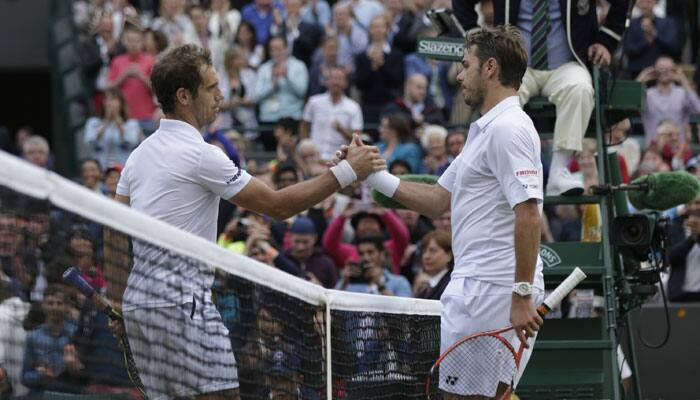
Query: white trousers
(570, 89)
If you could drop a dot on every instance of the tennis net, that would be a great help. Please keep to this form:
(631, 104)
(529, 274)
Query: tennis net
(291, 339)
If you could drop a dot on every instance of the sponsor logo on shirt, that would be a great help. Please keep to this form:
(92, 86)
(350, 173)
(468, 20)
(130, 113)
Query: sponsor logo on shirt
(527, 172)
(234, 178)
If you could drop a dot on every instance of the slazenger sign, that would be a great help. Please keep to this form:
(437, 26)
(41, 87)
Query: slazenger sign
(441, 48)
(550, 258)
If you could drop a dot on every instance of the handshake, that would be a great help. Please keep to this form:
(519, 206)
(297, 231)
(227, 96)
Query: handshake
(359, 162)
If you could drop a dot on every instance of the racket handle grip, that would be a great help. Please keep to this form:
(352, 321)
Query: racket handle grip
(72, 275)
(561, 291)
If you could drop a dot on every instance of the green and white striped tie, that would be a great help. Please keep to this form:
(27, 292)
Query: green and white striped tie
(540, 28)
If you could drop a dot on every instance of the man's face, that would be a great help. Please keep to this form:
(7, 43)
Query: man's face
(342, 16)
(470, 79)
(646, 7)
(436, 146)
(293, 7)
(378, 29)
(9, 235)
(199, 20)
(368, 226)
(111, 181)
(170, 8)
(278, 50)
(283, 388)
(330, 51)
(39, 224)
(286, 178)
(302, 245)
(37, 155)
(455, 144)
(209, 97)
(133, 42)
(417, 88)
(336, 82)
(90, 173)
(54, 307)
(370, 255)
(664, 69)
(443, 222)
(82, 253)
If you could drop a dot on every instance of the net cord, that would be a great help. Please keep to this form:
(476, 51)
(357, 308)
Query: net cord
(40, 183)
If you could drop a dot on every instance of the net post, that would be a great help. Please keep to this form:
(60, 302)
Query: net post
(329, 361)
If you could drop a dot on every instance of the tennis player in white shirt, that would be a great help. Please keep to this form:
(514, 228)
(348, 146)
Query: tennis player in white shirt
(180, 344)
(494, 191)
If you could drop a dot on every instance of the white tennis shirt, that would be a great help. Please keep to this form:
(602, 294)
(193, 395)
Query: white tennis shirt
(498, 168)
(175, 176)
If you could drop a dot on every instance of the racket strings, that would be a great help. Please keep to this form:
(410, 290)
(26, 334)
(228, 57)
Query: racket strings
(476, 366)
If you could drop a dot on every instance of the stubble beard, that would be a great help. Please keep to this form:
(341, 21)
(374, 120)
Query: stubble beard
(476, 98)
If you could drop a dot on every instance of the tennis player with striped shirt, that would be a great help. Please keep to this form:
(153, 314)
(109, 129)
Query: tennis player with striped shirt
(180, 344)
(494, 191)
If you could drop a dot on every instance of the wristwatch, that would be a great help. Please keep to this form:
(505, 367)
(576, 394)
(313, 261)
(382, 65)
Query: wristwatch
(522, 289)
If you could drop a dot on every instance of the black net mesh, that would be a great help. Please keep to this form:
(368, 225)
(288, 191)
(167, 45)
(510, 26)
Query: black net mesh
(55, 342)
(381, 355)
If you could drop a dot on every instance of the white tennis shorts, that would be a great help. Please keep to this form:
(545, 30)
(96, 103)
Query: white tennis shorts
(471, 306)
(181, 351)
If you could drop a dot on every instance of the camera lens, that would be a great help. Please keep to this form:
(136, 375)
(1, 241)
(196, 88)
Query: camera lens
(632, 233)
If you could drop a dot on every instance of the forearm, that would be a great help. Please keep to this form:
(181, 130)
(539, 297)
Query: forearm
(422, 198)
(304, 195)
(527, 242)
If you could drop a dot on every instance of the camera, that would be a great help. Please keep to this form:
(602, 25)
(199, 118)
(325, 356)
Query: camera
(639, 235)
(363, 268)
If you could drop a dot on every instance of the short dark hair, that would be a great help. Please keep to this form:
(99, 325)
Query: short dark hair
(505, 44)
(55, 289)
(375, 240)
(288, 124)
(178, 68)
(400, 162)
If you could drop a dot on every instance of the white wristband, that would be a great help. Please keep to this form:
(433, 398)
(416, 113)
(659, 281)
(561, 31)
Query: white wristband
(384, 182)
(344, 173)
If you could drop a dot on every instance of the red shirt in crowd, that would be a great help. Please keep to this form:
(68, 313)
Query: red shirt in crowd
(137, 94)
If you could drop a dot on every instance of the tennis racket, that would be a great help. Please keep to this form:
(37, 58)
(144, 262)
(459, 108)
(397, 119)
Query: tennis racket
(486, 363)
(72, 276)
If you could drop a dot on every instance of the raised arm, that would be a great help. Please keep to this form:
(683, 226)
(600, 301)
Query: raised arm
(282, 204)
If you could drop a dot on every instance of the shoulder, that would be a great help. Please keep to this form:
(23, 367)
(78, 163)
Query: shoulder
(513, 126)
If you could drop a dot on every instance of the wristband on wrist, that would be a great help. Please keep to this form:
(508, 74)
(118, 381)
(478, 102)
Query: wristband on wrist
(344, 173)
(384, 182)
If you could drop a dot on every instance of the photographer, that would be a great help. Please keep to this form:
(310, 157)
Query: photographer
(684, 255)
(372, 274)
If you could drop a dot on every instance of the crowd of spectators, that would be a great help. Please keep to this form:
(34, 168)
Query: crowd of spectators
(299, 77)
